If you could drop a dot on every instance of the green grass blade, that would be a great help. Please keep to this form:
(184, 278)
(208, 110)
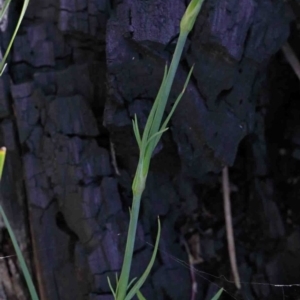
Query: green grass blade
(4, 9)
(3, 69)
(150, 148)
(136, 131)
(2, 160)
(173, 108)
(23, 265)
(217, 295)
(143, 278)
(111, 288)
(151, 135)
(30, 285)
(157, 119)
(168, 83)
(2, 64)
(178, 99)
(157, 136)
(190, 15)
(150, 120)
(140, 296)
(125, 272)
(131, 283)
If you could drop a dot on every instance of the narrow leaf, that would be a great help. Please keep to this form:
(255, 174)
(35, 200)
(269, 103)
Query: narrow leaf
(190, 15)
(131, 282)
(151, 118)
(2, 64)
(173, 108)
(3, 69)
(157, 103)
(136, 131)
(30, 285)
(157, 134)
(143, 278)
(140, 296)
(150, 146)
(2, 160)
(111, 288)
(167, 84)
(217, 295)
(178, 99)
(4, 9)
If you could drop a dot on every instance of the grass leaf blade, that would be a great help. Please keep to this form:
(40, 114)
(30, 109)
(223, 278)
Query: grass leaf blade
(217, 295)
(4, 9)
(143, 278)
(111, 288)
(30, 285)
(2, 160)
(136, 131)
(23, 265)
(24, 8)
(151, 118)
(131, 283)
(174, 107)
(178, 99)
(140, 296)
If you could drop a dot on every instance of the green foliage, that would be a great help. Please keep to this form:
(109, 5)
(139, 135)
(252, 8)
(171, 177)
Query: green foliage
(2, 13)
(32, 290)
(217, 295)
(140, 296)
(4, 9)
(153, 131)
(191, 13)
(28, 279)
(2, 160)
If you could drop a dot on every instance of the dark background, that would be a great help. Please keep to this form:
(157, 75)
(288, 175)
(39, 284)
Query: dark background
(78, 72)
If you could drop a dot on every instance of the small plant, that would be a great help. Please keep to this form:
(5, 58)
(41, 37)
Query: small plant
(28, 279)
(29, 282)
(217, 295)
(2, 13)
(153, 131)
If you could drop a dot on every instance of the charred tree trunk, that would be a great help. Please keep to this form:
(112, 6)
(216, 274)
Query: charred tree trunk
(79, 72)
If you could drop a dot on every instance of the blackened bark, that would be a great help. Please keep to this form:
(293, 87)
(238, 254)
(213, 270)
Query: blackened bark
(79, 65)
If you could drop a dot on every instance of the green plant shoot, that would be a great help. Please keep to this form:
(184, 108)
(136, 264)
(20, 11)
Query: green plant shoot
(2, 13)
(189, 18)
(28, 279)
(152, 133)
(217, 295)
(30, 285)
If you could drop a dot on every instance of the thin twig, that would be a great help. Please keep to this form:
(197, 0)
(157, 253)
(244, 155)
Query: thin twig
(291, 58)
(192, 271)
(229, 228)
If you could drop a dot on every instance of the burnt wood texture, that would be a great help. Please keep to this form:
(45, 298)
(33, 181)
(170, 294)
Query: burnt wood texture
(79, 71)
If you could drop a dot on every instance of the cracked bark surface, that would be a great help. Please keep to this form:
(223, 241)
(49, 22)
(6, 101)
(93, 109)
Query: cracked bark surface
(79, 72)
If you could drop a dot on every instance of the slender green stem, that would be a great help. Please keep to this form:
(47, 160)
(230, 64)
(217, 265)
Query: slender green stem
(151, 135)
(3, 62)
(168, 84)
(141, 175)
(124, 277)
(27, 276)
(4, 9)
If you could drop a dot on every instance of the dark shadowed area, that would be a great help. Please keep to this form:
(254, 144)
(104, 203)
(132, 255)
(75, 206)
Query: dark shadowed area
(79, 71)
